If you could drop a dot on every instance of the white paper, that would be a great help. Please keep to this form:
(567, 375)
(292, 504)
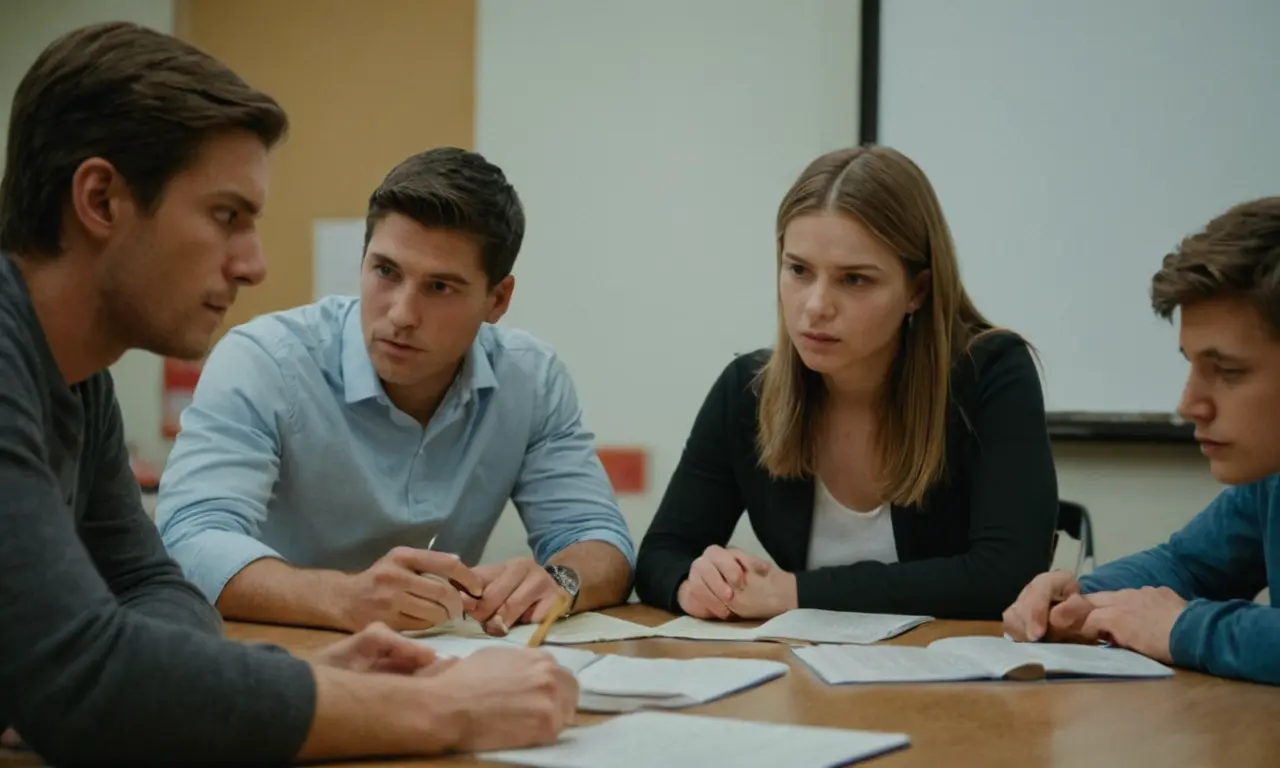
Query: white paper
(1059, 659)
(583, 628)
(623, 683)
(689, 628)
(843, 627)
(573, 659)
(671, 740)
(844, 664)
(337, 246)
(801, 625)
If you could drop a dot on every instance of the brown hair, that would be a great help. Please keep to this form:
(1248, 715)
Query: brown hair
(453, 188)
(144, 101)
(1236, 256)
(891, 196)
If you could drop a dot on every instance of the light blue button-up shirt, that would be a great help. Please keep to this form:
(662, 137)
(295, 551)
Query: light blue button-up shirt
(292, 449)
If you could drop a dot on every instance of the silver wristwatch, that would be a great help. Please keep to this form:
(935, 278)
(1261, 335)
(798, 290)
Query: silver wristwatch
(567, 578)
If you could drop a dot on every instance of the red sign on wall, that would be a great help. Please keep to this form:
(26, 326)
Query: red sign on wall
(180, 377)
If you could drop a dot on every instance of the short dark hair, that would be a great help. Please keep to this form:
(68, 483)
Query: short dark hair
(144, 101)
(454, 188)
(1236, 256)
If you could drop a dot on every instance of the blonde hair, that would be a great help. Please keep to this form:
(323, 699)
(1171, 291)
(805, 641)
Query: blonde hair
(891, 196)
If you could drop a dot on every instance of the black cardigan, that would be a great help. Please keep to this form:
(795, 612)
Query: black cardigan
(980, 535)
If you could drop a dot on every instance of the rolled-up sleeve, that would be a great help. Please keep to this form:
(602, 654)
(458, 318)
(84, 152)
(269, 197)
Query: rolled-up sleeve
(562, 493)
(224, 465)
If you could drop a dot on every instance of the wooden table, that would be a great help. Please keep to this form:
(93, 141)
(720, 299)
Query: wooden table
(1187, 720)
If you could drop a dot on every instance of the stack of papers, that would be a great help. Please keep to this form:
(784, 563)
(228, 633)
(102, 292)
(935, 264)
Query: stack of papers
(626, 683)
(804, 625)
(671, 740)
(573, 659)
(975, 658)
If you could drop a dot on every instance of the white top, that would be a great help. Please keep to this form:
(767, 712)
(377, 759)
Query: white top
(842, 536)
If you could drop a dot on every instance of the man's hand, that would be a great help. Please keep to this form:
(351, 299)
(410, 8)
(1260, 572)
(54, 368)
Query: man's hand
(407, 589)
(1138, 619)
(713, 581)
(377, 648)
(514, 592)
(511, 698)
(1051, 604)
(769, 591)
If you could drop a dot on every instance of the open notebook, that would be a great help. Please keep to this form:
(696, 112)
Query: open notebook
(670, 740)
(975, 658)
(803, 625)
(612, 683)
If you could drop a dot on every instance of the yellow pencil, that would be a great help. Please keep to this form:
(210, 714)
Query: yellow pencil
(557, 610)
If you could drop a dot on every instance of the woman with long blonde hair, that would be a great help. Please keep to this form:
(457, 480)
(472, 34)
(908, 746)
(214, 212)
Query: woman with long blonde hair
(890, 449)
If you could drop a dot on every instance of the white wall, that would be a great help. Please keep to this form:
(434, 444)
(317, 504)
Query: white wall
(26, 27)
(651, 143)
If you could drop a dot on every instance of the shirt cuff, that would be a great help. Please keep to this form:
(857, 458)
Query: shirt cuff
(212, 558)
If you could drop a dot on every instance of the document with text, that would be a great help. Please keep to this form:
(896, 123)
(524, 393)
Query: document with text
(975, 658)
(672, 740)
(803, 625)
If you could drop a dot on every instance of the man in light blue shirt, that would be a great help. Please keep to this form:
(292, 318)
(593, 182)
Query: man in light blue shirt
(1191, 601)
(346, 461)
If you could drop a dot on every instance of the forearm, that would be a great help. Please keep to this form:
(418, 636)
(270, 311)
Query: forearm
(1156, 567)
(604, 573)
(172, 599)
(379, 715)
(273, 591)
(659, 573)
(1236, 638)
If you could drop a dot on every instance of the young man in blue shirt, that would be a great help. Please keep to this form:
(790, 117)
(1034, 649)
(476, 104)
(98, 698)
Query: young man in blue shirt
(1191, 601)
(345, 462)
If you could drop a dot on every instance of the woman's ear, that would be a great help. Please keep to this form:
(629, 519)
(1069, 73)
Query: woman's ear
(920, 285)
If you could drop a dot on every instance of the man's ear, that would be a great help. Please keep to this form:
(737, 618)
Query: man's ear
(920, 286)
(98, 193)
(500, 296)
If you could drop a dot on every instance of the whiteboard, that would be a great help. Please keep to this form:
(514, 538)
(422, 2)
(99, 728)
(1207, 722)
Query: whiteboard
(1073, 144)
(337, 246)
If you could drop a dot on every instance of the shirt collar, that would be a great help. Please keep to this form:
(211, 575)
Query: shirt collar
(360, 381)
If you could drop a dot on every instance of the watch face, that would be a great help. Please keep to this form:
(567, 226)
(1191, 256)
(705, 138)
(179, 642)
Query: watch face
(566, 578)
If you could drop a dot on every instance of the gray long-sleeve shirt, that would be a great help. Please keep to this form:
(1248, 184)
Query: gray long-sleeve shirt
(106, 652)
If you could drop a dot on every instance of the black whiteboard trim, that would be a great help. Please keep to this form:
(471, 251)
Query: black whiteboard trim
(1076, 426)
(869, 73)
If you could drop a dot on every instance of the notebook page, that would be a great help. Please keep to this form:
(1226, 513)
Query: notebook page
(689, 628)
(816, 626)
(573, 659)
(702, 680)
(587, 627)
(844, 664)
(671, 740)
(1095, 661)
(1004, 658)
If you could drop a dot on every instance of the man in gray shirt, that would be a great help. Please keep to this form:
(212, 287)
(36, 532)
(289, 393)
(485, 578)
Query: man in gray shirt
(136, 168)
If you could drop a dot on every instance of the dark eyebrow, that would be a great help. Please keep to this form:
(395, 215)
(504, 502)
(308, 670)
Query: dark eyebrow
(863, 267)
(240, 201)
(430, 277)
(1217, 356)
(448, 277)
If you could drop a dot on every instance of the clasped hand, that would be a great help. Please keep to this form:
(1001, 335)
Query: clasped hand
(731, 584)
